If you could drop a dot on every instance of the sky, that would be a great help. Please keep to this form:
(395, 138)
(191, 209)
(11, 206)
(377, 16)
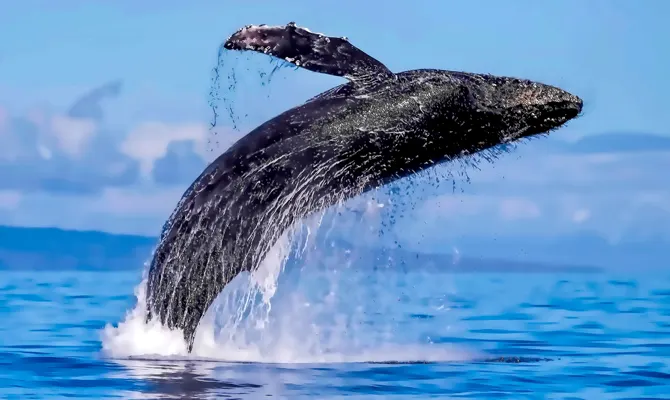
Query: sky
(104, 115)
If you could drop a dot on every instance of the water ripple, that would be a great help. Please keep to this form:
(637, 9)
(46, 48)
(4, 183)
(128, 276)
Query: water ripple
(568, 337)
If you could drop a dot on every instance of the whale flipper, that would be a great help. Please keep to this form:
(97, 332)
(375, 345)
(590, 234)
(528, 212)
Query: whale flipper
(309, 50)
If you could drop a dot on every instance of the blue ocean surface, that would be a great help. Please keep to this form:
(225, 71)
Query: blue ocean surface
(348, 334)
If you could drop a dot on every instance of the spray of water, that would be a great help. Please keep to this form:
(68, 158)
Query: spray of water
(302, 305)
(235, 112)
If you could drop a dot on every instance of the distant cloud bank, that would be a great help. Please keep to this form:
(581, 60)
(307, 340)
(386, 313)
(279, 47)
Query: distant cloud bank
(72, 170)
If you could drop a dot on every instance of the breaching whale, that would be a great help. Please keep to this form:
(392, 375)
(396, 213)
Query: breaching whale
(377, 128)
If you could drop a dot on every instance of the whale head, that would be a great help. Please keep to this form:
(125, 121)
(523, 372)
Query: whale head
(464, 113)
(516, 108)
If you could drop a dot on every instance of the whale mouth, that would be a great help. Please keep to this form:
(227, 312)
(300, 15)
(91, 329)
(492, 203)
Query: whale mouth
(549, 107)
(560, 102)
(543, 118)
(576, 103)
(556, 114)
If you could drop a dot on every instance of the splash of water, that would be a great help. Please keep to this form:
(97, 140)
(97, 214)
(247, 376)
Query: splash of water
(302, 305)
(236, 111)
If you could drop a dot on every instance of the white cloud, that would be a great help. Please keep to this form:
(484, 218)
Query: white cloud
(149, 142)
(136, 201)
(633, 214)
(543, 193)
(581, 215)
(39, 133)
(56, 152)
(96, 173)
(136, 210)
(72, 134)
(515, 208)
(528, 169)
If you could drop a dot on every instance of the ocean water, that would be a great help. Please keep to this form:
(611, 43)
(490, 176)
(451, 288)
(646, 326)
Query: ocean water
(345, 333)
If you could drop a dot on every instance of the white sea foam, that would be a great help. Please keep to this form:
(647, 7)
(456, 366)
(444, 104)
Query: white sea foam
(320, 310)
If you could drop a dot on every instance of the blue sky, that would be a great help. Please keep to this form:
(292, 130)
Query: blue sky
(104, 108)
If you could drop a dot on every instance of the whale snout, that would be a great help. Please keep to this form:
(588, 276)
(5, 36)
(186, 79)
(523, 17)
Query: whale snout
(538, 94)
(573, 105)
(573, 101)
(539, 107)
(558, 97)
(561, 105)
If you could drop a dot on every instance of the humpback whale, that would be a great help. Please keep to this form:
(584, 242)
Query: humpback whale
(376, 128)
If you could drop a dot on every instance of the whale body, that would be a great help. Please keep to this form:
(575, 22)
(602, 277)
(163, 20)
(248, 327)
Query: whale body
(378, 127)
